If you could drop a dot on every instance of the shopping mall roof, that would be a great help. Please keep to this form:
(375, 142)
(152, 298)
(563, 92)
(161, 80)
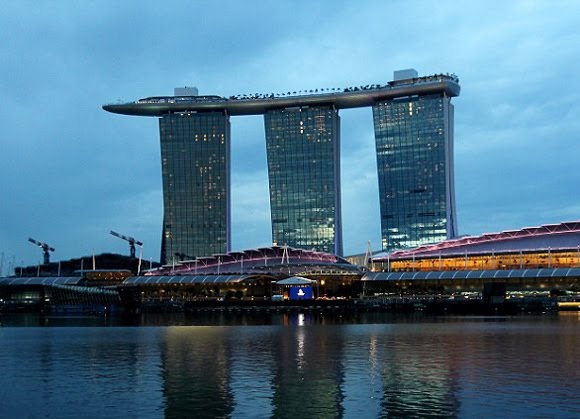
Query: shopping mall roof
(262, 260)
(549, 236)
(41, 280)
(496, 274)
(188, 279)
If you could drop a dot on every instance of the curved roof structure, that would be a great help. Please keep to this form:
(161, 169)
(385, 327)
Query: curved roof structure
(41, 280)
(295, 280)
(258, 104)
(187, 279)
(257, 261)
(504, 274)
(549, 236)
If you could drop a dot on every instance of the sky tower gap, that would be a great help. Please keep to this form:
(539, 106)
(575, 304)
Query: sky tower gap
(413, 122)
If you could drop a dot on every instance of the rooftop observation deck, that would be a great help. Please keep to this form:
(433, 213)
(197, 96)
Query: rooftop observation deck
(258, 104)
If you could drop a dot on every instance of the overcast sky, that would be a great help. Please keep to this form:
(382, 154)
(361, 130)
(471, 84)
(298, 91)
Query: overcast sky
(71, 172)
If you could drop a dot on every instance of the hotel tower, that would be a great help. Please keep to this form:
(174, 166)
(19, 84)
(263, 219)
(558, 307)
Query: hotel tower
(413, 122)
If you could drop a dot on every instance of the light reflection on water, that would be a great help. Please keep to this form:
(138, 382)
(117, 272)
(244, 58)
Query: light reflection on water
(291, 366)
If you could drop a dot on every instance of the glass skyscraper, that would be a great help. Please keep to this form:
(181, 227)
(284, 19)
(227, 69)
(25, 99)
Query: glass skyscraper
(414, 143)
(303, 149)
(195, 149)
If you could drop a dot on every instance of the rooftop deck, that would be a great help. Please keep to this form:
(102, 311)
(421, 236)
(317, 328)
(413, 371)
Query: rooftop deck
(259, 103)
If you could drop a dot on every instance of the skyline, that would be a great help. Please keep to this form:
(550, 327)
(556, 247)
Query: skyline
(73, 172)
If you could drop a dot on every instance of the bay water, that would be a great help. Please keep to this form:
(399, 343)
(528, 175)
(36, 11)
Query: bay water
(293, 365)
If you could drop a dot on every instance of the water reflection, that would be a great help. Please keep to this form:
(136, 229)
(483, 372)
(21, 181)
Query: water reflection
(196, 365)
(251, 373)
(296, 366)
(372, 370)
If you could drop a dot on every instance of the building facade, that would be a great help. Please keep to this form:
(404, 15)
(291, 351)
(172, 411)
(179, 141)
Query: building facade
(414, 144)
(195, 163)
(303, 149)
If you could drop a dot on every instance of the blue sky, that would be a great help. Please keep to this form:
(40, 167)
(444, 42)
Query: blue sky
(72, 172)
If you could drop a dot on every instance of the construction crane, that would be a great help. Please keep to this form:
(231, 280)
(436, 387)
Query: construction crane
(46, 249)
(132, 242)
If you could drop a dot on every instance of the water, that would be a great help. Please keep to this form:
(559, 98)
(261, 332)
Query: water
(290, 366)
